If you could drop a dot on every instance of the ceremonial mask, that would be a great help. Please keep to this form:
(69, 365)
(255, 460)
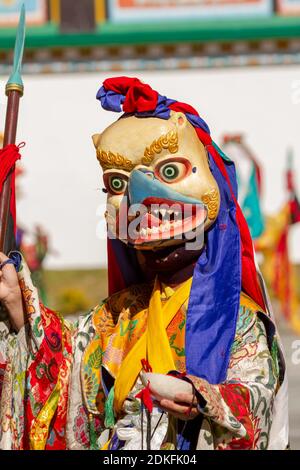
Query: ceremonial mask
(160, 190)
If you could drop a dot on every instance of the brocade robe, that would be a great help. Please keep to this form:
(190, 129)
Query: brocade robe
(55, 376)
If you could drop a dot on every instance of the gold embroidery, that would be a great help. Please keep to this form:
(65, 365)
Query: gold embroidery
(211, 200)
(40, 428)
(28, 298)
(113, 160)
(41, 423)
(168, 142)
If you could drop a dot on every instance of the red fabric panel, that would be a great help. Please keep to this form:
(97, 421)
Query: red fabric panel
(250, 283)
(237, 398)
(115, 279)
(8, 157)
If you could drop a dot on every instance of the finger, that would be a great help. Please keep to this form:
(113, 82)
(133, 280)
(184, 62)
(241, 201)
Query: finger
(180, 409)
(8, 273)
(9, 267)
(190, 414)
(188, 398)
(185, 417)
(3, 257)
(171, 406)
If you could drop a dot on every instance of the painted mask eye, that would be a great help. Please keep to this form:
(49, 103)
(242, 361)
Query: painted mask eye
(116, 184)
(172, 172)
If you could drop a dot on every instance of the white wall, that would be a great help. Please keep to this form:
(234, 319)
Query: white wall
(58, 114)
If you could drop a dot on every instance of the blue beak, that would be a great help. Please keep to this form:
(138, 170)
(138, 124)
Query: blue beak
(142, 185)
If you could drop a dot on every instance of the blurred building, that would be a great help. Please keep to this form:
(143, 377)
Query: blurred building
(124, 35)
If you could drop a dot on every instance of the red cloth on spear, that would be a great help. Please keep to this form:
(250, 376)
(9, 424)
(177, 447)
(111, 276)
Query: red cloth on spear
(8, 157)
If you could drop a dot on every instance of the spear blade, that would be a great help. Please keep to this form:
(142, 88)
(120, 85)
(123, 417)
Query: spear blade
(15, 81)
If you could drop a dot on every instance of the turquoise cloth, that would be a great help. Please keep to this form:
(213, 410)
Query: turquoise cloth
(251, 207)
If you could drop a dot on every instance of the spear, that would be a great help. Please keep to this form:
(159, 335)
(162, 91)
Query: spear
(14, 90)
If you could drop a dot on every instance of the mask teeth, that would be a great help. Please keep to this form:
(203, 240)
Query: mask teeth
(164, 227)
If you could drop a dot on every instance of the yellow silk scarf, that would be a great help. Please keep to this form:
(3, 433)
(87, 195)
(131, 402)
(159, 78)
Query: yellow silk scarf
(153, 345)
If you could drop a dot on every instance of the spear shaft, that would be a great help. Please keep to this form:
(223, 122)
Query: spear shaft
(14, 91)
(7, 241)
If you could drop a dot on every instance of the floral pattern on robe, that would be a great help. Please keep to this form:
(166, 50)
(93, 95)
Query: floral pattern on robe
(51, 374)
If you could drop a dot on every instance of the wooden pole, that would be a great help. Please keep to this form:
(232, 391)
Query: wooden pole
(7, 238)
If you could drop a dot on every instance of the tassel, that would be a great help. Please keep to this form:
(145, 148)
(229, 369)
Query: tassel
(146, 366)
(145, 397)
(275, 353)
(92, 433)
(109, 409)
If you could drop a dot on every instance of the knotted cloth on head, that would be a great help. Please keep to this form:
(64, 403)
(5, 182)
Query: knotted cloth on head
(226, 264)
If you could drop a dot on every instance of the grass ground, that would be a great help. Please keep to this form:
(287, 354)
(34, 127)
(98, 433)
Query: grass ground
(78, 290)
(70, 291)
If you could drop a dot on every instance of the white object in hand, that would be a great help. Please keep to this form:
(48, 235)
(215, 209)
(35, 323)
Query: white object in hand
(165, 386)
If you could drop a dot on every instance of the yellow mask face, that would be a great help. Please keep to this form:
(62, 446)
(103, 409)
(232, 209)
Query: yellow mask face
(169, 154)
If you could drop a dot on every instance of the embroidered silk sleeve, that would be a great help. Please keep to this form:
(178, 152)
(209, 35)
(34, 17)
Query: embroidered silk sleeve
(238, 413)
(4, 336)
(35, 365)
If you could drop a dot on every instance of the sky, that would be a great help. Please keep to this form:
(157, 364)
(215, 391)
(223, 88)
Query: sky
(61, 187)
